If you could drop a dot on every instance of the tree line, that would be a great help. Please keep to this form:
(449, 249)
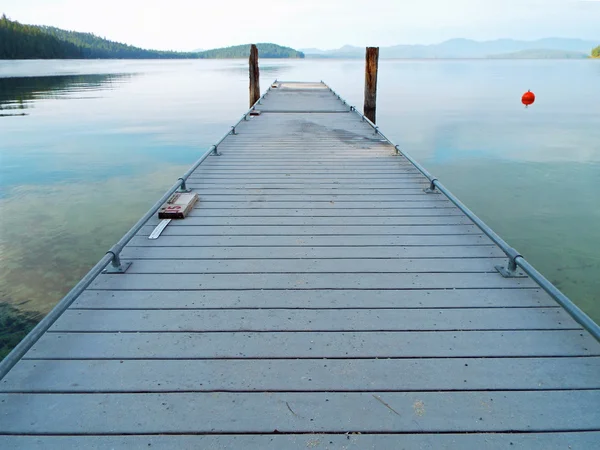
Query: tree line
(18, 41)
(596, 52)
(265, 50)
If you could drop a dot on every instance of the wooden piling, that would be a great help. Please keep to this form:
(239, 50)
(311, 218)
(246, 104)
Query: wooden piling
(254, 76)
(371, 63)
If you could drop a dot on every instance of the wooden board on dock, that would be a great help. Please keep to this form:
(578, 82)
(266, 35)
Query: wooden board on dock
(318, 298)
(178, 205)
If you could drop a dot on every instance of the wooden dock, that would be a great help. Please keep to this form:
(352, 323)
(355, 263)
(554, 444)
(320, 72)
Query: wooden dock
(316, 297)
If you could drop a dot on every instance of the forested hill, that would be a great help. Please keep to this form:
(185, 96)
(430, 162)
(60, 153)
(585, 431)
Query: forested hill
(94, 47)
(243, 51)
(18, 41)
(596, 52)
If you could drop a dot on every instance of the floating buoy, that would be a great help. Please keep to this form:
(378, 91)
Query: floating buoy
(528, 98)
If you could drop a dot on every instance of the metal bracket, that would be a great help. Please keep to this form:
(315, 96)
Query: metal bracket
(398, 153)
(120, 269)
(183, 187)
(508, 274)
(511, 270)
(215, 151)
(117, 266)
(233, 130)
(431, 189)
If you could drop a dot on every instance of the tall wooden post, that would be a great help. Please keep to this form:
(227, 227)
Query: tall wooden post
(371, 63)
(254, 76)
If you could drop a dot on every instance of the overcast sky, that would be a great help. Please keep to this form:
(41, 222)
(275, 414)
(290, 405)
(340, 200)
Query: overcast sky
(191, 24)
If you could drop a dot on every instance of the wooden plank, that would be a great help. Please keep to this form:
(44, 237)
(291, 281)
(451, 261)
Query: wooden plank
(308, 177)
(300, 172)
(275, 229)
(326, 212)
(309, 281)
(422, 441)
(313, 320)
(355, 253)
(301, 189)
(242, 345)
(348, 222)
(304, 375)
(310, 241)
(374, 164)
(372, 298)
(360, 266)
(270, 196)
(312, 184)
(323, 156)
(301, 412)
(262, 203)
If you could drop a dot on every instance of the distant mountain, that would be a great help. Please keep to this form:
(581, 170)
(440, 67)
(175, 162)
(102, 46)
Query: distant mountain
(541, 54)
(463, 48)
(265, 50)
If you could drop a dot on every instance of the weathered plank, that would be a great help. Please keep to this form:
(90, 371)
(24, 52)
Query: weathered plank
(434, 202)
(343, 441)
(322, 191)
(309, 281)
(271, 196)
(310, 241)
(362, 266)
(348, 222)
(301, 412)
(275, 229)
(338, 299)
(326, 212)
(241, 345)
(313, 320)
(356, 253)
(325, 172)
(290, 375)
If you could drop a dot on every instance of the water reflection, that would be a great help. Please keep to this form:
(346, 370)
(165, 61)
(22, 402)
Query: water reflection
(49, 238)
(19, 93)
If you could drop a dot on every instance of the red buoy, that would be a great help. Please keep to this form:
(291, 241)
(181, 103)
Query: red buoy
(528, 98)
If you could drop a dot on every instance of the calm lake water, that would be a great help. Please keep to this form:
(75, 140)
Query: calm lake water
(86, 147)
